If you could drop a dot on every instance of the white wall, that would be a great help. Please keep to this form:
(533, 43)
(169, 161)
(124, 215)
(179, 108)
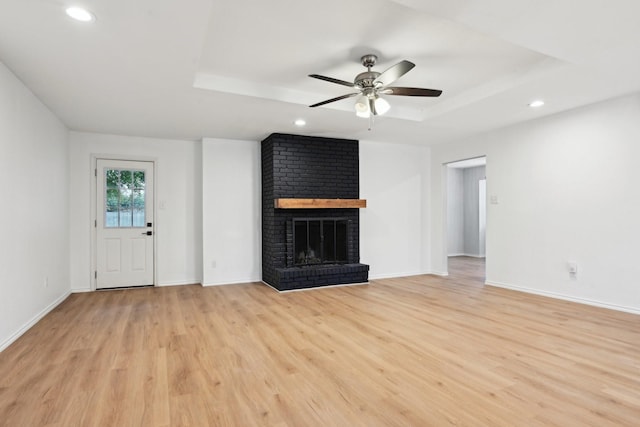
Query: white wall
(34, 250)
(394, 231)
(566, 192)
(178, 188)
(231, 206)
(455, 211)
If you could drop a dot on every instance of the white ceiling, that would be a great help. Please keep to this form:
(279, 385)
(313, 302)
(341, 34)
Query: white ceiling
(238, 69)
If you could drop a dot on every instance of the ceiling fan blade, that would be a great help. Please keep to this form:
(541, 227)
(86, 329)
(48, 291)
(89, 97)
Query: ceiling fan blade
(394, 73)
(332, 80)
(335, 99)
(411, 91)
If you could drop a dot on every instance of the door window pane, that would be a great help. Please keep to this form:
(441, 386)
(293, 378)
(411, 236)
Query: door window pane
(125, 204)
(113, 178)
(125, 207)
(111, 206)
(126, 179)
(138, 179)
(138, 208)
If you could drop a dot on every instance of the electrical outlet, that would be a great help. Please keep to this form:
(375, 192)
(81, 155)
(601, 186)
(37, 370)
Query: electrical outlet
(213, 264)
(46, 282)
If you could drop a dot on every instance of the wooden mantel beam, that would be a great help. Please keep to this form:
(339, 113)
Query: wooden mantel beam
(319, 203)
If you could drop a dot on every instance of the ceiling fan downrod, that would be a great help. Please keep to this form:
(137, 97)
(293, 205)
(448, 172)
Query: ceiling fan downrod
(366, 79)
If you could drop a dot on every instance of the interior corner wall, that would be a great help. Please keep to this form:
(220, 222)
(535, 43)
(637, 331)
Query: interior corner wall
(178, 221)
(566, 191)
(231, 206)
(34, 255)
(394, 234)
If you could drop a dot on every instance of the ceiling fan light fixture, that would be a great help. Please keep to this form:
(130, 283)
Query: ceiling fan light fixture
(382, 106)
(362, 107)
(363, 114)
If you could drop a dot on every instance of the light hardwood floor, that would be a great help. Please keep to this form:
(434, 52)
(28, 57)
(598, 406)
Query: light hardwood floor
(420, 351)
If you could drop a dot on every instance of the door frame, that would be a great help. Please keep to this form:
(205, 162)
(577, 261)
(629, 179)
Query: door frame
(93, 209)
(444, 185)
(482, 217)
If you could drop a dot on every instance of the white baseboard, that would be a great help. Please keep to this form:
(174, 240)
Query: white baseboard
(179, 283)
(396, 275)
(159, 285)
(6, 343)
(440, 273)
(469, 255)
(564, 297)
(237, 282)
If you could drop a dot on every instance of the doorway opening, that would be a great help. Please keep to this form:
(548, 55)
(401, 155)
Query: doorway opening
(466, 215)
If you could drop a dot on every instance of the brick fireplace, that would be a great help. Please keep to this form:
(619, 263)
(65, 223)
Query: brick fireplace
(310, 212)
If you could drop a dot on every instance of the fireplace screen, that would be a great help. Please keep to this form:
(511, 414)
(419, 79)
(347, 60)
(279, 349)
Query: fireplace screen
(320, 241)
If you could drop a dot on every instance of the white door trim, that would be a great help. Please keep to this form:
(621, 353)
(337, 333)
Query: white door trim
(93, 209)
(444, 188)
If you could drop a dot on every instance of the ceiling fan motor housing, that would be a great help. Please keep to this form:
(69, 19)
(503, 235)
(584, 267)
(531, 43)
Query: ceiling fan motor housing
(366, 79)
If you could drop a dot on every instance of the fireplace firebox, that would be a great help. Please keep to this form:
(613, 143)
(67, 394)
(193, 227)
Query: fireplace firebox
(320, 241)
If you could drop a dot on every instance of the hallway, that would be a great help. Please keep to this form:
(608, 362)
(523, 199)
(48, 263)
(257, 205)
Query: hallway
(467, 270)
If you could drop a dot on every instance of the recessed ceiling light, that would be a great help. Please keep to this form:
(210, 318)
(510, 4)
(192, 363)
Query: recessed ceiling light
(300, 122)
(80, 14)
(536, 104)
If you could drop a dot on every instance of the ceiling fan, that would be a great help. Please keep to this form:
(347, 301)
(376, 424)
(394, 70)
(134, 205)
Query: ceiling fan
(370, 85)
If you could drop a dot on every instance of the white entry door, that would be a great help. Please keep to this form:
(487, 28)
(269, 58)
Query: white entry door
(124, 224)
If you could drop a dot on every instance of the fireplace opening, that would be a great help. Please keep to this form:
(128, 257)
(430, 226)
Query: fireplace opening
(320, 241)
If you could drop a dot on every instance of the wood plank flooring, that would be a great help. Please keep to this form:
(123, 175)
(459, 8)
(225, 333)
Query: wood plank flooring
(415, 351)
